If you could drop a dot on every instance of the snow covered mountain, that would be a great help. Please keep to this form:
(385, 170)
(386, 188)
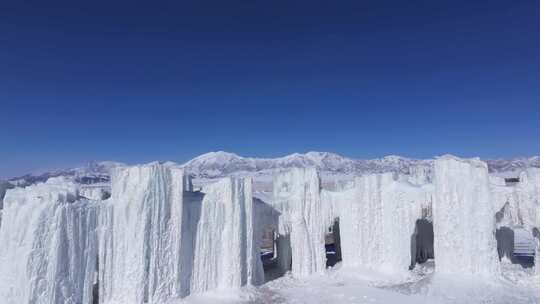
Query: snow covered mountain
(220, 164)
(515, 164)
(92, 173)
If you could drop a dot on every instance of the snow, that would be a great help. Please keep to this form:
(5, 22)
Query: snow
(463, 218)
(49, 245)
(360, 285)
(220, 164)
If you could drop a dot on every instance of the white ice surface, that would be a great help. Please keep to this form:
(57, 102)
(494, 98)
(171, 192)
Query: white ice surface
(141, 236)
(297, 198)
(377, 218)
(159, 242)
(464, 218)
(48, 246)
(226, 250)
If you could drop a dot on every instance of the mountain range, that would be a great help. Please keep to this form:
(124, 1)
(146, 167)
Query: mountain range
(220, 164)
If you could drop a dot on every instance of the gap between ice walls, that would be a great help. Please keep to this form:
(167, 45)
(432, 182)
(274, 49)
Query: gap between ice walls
(156, 239)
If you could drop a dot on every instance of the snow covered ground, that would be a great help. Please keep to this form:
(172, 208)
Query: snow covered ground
(355, 285)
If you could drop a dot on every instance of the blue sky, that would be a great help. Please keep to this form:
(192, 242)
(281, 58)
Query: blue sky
(139, 81)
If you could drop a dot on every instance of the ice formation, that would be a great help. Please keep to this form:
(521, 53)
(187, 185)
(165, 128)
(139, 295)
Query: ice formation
(226, 250)
(377, 219)
(156, 239)
(463, 218)
(141, 238)
(518, 205)
(48, 252)
(4, 186)
(160, 242)
(95, 192)
(303, 217)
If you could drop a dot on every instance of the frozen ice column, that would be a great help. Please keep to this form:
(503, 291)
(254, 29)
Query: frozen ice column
(377, 219)
(141, 236)
(227, 254)
(463, 218)
(49, 246)
(303, 216)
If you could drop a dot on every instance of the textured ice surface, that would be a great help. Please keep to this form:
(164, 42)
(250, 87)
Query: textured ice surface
(303, 216)
(377, 219)
(93, 192)
(4, 186)
(463, 218)
(518, 205)
(141, 237)
(159, 242)
(226, 249)
(49, 245)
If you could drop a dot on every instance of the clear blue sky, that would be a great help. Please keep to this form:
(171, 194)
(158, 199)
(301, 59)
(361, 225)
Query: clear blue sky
(139, 81)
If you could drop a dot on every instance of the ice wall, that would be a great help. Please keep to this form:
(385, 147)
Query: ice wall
(95, 192)
(518, 205)
(159, 242)
(377, 219)
(4, 186)
(420, 174)
(49, 246)
(303, 217)
(141, 236)
(227, 254)
(463, 218)
(528, 195)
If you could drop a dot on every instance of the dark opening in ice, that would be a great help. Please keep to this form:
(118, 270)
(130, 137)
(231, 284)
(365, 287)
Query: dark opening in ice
(276, 255)
(333, 245)
(517, 245)
(422, 243)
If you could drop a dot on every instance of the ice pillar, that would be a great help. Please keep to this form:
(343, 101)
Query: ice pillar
(297, 197)
(49, 245)
(226, 250)
(141, 237)
(377, 221)
(463, 218)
